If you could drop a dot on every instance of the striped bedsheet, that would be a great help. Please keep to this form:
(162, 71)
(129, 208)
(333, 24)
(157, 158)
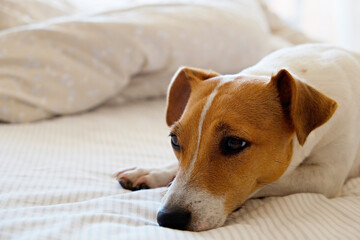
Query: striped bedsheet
(55, 183)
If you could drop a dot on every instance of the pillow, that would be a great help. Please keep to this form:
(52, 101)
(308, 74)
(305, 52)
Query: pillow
(73, 64)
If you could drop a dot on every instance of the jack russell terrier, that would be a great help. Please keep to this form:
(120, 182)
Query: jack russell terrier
(289, 124)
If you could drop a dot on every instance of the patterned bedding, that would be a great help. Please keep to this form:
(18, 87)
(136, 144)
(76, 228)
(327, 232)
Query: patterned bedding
(56, 183)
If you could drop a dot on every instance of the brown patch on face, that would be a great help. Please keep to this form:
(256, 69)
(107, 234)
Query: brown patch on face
(245, 108)
(186, 129)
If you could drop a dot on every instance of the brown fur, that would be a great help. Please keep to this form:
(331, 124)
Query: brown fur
(179, 92)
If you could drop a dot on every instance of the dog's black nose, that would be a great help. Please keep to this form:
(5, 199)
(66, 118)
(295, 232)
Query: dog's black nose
(177, 219)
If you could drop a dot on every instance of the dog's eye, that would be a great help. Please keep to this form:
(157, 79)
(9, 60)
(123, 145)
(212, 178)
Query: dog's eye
(174, 142)
(233, 145)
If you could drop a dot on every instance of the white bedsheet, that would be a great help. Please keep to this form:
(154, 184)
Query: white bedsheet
(55, 183)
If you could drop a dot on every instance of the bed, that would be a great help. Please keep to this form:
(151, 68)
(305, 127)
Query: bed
(57, 160)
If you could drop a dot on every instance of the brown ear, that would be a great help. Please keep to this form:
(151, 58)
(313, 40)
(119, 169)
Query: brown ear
(180, 88)
(304, 106)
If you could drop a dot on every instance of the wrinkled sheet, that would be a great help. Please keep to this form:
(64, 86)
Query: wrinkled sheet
(56, 183)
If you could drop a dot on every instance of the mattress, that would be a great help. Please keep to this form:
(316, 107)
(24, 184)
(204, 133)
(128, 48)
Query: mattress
(56, 183)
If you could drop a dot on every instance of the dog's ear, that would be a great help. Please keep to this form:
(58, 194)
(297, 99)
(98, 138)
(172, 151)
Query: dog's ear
(180, 88)
(304, 106)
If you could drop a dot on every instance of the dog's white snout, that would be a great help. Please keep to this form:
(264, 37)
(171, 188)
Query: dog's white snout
(197, 209)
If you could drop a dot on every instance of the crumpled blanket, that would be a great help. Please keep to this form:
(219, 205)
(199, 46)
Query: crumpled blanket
(75, 60)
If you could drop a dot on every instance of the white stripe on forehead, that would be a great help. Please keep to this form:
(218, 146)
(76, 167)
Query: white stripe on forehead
(202, 117)
(180, 195)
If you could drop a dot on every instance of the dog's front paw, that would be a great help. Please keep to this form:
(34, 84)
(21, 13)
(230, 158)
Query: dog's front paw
(132, 178)
(142, 178)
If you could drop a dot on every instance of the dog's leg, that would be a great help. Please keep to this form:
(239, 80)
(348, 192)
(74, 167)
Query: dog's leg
(324, 172)
(144, 178)
(311, 178)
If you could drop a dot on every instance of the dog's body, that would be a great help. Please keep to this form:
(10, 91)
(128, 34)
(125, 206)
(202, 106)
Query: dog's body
(262, 132)
(334, 72)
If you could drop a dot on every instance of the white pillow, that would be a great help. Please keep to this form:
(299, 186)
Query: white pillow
(69, 65)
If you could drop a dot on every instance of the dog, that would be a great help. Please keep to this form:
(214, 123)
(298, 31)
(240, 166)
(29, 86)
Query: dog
(289, 124)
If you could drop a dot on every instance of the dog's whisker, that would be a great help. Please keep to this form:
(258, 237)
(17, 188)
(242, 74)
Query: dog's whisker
(288, 164)
(282, 162)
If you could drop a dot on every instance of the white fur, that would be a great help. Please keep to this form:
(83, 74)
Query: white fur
(207, 211)
(331, 154)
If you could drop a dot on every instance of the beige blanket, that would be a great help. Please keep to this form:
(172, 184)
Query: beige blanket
(75, 62)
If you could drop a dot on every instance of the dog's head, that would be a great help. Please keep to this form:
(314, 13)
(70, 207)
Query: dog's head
(232, 135)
